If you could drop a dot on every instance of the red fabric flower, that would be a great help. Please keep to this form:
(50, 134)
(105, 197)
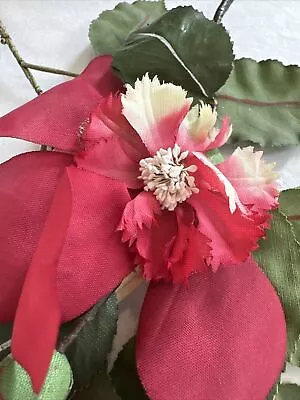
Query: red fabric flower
(136, 173)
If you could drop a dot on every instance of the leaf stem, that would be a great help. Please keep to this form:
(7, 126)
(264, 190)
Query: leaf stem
(7, 40)
(222, 9)
(293, 104)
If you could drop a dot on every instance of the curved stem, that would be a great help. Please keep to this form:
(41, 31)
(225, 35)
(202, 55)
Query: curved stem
(6, 39)
(48, 69)
(222, 9)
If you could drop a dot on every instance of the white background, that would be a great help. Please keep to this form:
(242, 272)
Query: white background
(55, 33)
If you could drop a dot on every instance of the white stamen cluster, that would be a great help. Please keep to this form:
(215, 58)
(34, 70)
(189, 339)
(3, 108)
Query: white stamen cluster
(167, 177)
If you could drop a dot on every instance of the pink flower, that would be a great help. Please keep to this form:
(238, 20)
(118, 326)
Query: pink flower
(133, 186)
(186, 214)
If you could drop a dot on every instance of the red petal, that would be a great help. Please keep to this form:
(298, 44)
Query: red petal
(94, 260)
(28, 183)
(38, 314)
(111, 147)
(54, 117)
(221, 338)
(233, 235)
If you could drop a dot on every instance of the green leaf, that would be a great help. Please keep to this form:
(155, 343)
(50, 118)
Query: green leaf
(279, 257)
(182, 47)
(15, 383)
(290, 206)
(91, 338)
(215, 156)
(100, 388)
(262, 100)
(5, 336)
(5, 332)
(111, 29)
(125, 377)
(288, 392)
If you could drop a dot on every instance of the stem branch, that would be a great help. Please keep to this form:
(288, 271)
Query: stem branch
(48, 69)
(6, 39)
(222, 9)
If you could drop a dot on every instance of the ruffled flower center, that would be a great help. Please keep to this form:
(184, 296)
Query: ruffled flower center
(168, 178)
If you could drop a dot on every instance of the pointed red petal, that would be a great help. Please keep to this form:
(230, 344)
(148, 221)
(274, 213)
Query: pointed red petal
(39, 315)
(221, 338)
(28, 183)
(54, 117)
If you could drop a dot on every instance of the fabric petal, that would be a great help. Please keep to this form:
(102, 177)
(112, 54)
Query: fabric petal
(54, 117)
(233, 235)
(198, 132)
(94, 260)
(28, 182)
(38, 314)
(155, 111)
(168, 244)
(208, 176)
(220, 338)
(254, 180)
(150, 232)
(111, 147)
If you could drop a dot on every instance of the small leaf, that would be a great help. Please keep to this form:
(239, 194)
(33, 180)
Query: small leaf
(215, 156)
(182, 47)
(112, 28)
(100, 388)
(288, 392)
(15, 383)
(279, 257)
(262, 100)
(125, 377)
(290, 206)
(92, 343)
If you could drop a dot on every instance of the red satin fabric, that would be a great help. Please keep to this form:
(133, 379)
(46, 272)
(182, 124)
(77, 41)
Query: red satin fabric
(28, 183)
(60, 249)
(220, 338)
(39, 299)
(54, 117)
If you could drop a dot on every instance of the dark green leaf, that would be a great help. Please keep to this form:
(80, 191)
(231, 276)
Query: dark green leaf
(100, 388)
(262, 100)
(5, 336)
(279, 257)
(290, 206)
(288, 392)
(182, 47)
(113, 27)
(125, 377)
(91, 344)
(5, 332)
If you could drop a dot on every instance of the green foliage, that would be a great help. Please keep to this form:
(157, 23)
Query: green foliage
(182, 47)
(91, 338)
(288, 392)
(279, 257)
(270, 112)
(15, 383)
(290, 206)
(111, 29)
(125, 377)
(100, 388)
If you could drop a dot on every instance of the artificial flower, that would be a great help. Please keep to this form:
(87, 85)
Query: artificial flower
(136, 188)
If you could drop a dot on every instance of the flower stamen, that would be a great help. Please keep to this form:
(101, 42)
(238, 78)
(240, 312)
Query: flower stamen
(168, 178)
